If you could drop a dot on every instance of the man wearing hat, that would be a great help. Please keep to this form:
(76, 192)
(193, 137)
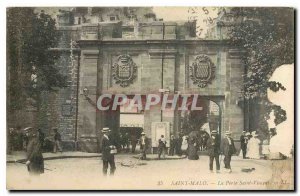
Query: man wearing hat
(35, 160)
(57, 141)
(172, 145)
(213, 147)
(228, 150)
(244, 142)
(107, 156)
(144, 143)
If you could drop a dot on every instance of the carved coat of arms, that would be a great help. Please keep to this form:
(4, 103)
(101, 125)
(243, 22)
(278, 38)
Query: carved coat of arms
(202, 71)
(124, 71)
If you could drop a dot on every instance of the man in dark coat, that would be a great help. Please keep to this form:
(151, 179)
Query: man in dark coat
(144, 144)
(133, 143)
(172, 145)
(35, 160)
(192, 150)
(108, 156)
(244, 142)
(228, 149)
(162, 147)
(213, 148)
(179, 141)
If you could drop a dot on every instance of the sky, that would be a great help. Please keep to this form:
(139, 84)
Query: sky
(203, 15)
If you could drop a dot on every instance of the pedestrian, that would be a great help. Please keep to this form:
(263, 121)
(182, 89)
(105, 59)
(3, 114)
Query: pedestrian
(162, 147)
(108, 152)
(192, 149)
(205, 138)
(253, 147)
(244, 143)
(35, 160)
(213, 147)
(172, 145)
(125, 142)
(25, 139)
(19, 138)
(184, 145)
(144, 144)
(179, 144)
(57, 141)
(10, 143)
(265, 149)
(228, 149)
(201, 142)
(133, 142)
(41, 137)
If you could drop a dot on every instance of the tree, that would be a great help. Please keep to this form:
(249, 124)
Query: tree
(30, 63)
(266, 36)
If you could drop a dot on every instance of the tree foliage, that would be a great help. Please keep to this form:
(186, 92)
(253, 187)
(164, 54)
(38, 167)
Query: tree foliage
(266, 36)
(30, 63)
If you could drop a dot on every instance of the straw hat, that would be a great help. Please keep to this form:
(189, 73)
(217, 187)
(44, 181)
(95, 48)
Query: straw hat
(28, 128)
(214, 132)
(105, 130)
(227, 133)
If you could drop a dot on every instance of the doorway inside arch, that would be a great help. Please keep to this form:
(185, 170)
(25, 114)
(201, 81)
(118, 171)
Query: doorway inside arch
(199, 124)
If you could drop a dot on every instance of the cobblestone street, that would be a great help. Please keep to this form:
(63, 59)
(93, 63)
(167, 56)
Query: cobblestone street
(86, 173)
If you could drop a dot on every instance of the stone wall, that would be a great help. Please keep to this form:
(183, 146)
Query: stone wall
(150, 60)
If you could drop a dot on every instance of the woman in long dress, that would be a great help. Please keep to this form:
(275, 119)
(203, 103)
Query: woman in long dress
(184, 145)
(192, 149)
(253, 147)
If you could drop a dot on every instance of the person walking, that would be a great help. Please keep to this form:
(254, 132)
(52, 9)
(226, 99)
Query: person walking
(108, 152)
(244, 143)
(35, 160)
(228, 149)
(213, 148)
(57, 141)
(144, 144)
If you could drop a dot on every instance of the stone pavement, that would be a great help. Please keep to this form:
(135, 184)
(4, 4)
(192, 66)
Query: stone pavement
(132, 173)
(20, 156)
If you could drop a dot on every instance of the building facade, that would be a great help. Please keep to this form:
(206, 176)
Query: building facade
(162, 55)
(129, 52)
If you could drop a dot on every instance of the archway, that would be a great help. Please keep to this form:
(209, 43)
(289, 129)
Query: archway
(200, 123)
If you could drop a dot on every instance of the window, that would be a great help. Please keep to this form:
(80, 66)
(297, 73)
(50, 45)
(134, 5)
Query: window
(113, 18)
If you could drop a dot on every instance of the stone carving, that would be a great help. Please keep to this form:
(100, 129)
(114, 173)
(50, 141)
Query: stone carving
(202, 71)
(124, 71)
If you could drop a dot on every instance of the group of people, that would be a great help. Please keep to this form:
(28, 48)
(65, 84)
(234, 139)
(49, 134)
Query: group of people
(215, 147)
(18, 140)
(129, 142)
(250, 145)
